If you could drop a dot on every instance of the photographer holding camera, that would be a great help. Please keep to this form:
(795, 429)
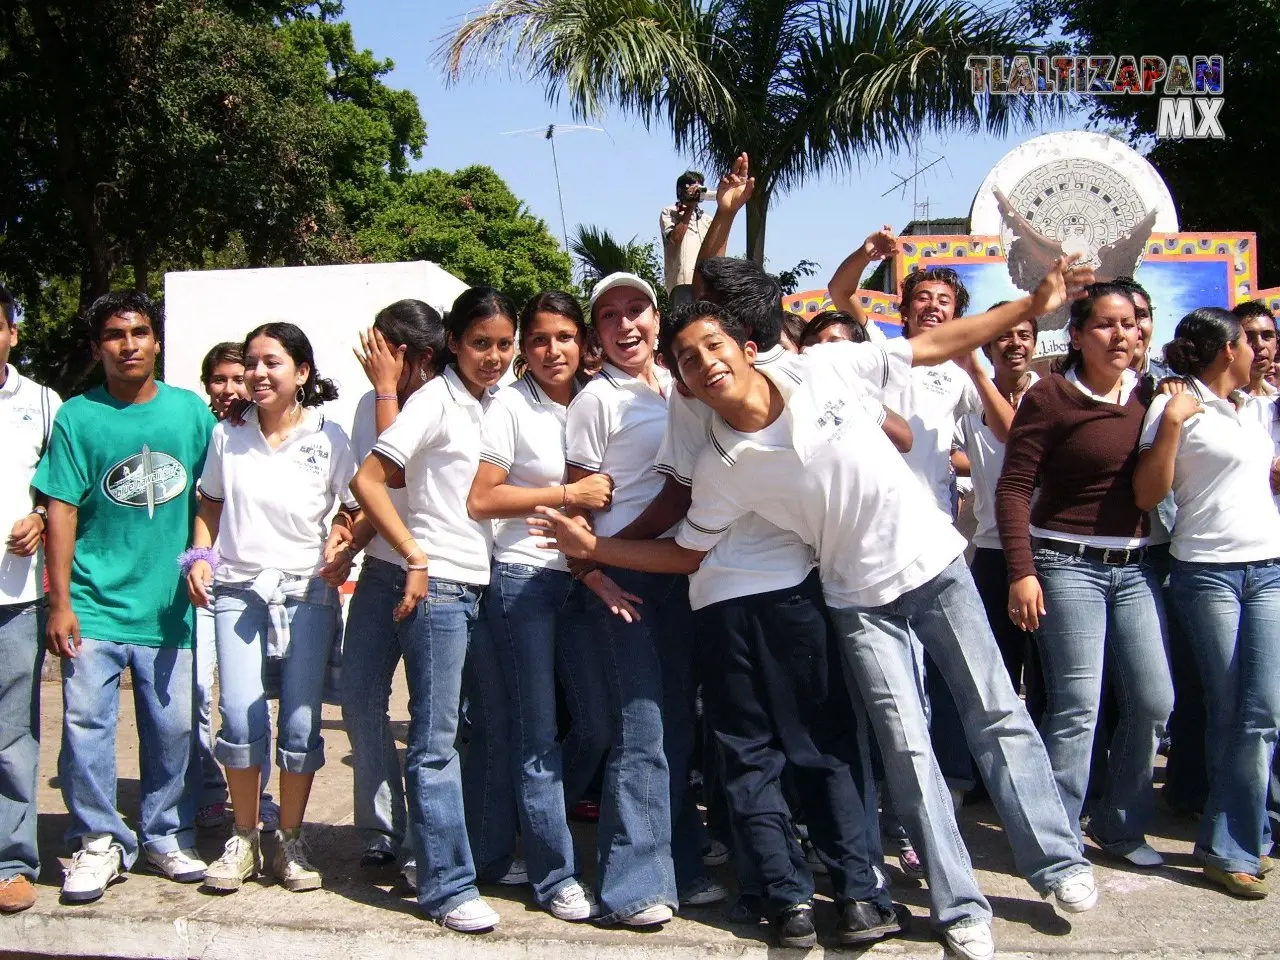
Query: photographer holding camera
(683, 226)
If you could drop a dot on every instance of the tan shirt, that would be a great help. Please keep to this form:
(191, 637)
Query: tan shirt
(679, 260)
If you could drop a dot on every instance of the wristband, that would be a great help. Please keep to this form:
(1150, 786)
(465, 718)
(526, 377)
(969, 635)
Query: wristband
(564, 495)
(385, 396)
(413, 567)
(189, 558)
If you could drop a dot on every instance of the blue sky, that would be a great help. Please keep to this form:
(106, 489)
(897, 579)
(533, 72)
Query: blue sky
(621, 180)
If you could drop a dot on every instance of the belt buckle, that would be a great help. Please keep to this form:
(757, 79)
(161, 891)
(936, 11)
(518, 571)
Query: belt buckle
(1106, 556)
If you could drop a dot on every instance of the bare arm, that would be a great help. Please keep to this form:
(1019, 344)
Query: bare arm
(843, 286)
(996, 408)
(898, 431)
(369, 487)
(680, 226)
(574, 540)
(735, 190)
(960, 463)
(663, 512)
(1153, 477)
(62, 630)
(492, 498)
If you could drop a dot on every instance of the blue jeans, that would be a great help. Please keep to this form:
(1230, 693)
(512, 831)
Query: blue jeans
(946, 615)
(512, 770)
(170, 781)
(434, 639)
(1232, 611)
(373, 645)
(631, 662)
(580, 670)
(213, 785)
(21, 654)
(240, 627)
(1096, 611)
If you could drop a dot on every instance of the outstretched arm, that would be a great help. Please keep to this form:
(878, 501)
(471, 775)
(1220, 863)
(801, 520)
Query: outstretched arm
(735, 190)
(843, 286)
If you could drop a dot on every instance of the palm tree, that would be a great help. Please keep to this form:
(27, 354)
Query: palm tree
(804, 87)
(599, 254)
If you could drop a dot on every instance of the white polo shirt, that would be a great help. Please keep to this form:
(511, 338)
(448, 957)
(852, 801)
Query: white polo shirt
(275, 502)
(615, 426)
(364, 434)
(1221, 483)
(754, 556)
(1263, 410)
(826, 471)
(932, 401)
(436, 440)
(26, 418)
(986, 459)
(523, 433)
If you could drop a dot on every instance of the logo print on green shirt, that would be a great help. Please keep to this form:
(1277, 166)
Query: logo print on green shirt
(146, 479)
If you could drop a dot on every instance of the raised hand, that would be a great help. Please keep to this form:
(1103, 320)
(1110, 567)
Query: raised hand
(881, 244)
(382, 363)
(1065, 281)
(1183, 406)
(566, 534)
(736, 186)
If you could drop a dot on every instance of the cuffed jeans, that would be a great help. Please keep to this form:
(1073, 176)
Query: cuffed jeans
(512, 772)
(947, 616)
(646, 670)
(1096, 610)
(1232, 611)
(240, 628)
(170, 779)
(373, 646)
(774, 694)
(21, 655)
(434, 644)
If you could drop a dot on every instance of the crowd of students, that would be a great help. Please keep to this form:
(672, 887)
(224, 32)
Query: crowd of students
(724, 501)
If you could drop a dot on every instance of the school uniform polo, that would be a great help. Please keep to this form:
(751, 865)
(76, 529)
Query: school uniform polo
(26, 420)
(436, 440)
(615, 425)
(1263, 411)
(524, 434)
(364, 434)
(826, 471)
(276, 501)
(986, 457)
(1221, 483)
(931, 401)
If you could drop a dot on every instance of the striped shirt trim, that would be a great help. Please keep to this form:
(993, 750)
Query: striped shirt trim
(384, 452)
(671, 472)
(497, 461)
(709, 531)
(583, 466)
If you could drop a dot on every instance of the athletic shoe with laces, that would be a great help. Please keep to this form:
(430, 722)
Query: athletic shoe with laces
(290, 864)
(474, 916)
(241, 859)
(704, 893)
(970, 941)
(213, 815)
(650, 916)
(909, 860)
(17, 893)
(516, 874)
(1077, 893)
(574, 902)
(93, 867)
(793, 927)
(181, 866)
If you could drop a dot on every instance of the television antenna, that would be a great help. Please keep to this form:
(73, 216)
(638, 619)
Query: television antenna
(549, 133)
(914, 179)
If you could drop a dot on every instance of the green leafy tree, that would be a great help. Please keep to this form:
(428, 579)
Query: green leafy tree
(471, 224)
(805, 87)
(1216, 184)
(599, 254)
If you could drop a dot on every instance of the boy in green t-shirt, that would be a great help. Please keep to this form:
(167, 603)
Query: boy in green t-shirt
(120, 477)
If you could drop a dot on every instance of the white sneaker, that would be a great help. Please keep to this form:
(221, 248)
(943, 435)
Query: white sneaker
(241, 859)
(705, 893)
(410, 873)
(472, 917)
(516, 874)
(648, 917)
(291, 865)
(970, 941)
(574, 902)
(1077, 893)
(181, 866)
(99, 861)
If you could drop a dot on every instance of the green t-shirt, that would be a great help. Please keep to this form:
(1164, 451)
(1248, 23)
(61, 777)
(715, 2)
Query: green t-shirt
(131, 470)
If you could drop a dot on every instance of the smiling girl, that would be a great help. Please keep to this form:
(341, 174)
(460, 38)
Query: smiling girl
(435, 442)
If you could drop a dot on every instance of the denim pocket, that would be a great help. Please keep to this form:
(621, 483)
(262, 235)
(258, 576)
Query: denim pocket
(1045, 557)
(445, 591)
(520, 571)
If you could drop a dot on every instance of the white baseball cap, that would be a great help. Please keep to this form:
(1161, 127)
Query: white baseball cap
(621, 279)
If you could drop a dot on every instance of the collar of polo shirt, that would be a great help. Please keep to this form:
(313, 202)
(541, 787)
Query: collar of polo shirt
(11, 380)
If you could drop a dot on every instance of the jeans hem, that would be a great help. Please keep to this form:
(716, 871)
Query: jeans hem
(240, 756)
(184, 839)
(293, 762)
(1228, 864)
(635, 907)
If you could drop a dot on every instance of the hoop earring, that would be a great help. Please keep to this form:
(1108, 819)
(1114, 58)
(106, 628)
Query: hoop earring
(299, 396)
(422, 374)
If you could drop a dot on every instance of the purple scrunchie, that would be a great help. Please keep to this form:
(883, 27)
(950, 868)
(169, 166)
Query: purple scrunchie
(189, 558)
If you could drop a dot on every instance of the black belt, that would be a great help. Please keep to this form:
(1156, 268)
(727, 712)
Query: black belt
(1112, 556)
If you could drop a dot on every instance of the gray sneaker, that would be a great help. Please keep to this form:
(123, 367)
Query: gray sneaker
(290, 864)
(241, 859)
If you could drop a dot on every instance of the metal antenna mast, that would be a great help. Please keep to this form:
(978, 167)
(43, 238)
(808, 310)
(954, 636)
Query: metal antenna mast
(548, 133)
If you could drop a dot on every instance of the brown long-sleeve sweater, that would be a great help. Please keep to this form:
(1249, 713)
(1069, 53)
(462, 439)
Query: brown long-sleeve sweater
(1083, 452)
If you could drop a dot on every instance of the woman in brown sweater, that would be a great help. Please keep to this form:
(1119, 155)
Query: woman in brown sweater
(1078, 574)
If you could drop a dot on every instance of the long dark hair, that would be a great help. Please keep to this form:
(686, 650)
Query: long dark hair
(1200, 336)
(418, 327)
(316, 390)
(475, 304)
(562, 305)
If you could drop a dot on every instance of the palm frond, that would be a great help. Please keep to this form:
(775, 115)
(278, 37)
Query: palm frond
(599, 253)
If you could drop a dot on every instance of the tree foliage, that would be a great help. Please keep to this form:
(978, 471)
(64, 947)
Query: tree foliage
(804, 86)
(599, 254)
(471, 223)
(1216, 184)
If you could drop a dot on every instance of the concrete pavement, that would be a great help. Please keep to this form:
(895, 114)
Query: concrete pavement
(1169, 913)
